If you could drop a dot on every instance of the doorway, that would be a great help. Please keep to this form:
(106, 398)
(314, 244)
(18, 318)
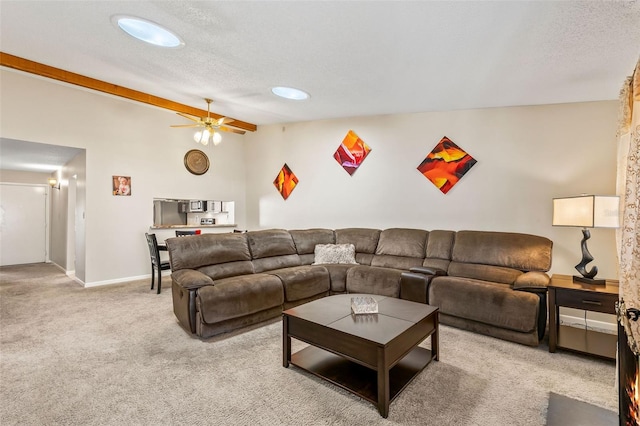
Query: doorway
(23, 223)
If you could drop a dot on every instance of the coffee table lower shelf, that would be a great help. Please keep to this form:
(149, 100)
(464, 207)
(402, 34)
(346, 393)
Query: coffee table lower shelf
(356, 378)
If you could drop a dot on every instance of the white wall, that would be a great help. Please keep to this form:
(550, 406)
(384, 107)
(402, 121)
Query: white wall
(120, 138)
(526, 156)
(58, 199)
(68, 202)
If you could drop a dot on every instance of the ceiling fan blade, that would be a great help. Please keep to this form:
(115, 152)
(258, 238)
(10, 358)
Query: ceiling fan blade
(229, 129)
(224, 120)
(189, 116)
(185, 125)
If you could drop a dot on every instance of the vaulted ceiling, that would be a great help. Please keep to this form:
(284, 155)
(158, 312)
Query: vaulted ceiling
(355, 58)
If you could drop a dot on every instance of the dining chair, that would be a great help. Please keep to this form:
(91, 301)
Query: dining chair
(185, 233)
(156, 263)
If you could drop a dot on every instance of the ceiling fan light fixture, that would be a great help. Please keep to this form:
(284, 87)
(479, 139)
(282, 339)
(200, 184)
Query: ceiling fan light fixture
(217, 138)
(147, 31)
(290, 93)
(206, 135)
(201, 136)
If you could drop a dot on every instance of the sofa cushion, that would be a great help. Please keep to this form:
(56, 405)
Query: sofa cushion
(365, 241)
(269, 243)
(302, 282)
(396, 262)
(207, 249)
(276, 262)
(229, 269)
(306, 240)
(440, 244)
(239, 296)
(272, 249)
(439, 247)
(338, 276)
(373, 280)
(498, 274)
(335, 253)
(402, 242)
(488, 303)
(436, 263)
(518, 251)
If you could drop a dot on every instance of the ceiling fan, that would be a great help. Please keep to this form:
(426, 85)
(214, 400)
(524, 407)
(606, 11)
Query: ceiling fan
(210, 126)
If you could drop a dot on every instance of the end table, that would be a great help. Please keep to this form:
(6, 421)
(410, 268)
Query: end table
(587, 297)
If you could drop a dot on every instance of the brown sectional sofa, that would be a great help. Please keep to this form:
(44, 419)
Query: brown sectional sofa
(489, 282)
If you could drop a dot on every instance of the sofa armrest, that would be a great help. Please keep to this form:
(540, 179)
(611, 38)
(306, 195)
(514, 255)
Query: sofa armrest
(191, 279)
(415, 286)
(427, 271)
(535, 282)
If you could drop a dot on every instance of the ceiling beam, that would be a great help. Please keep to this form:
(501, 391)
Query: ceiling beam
(43, 70)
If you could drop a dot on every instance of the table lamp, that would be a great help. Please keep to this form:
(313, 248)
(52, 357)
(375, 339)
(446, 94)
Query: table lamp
(586, 211)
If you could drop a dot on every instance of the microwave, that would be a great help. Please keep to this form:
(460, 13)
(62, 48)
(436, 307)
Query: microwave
(196, 206)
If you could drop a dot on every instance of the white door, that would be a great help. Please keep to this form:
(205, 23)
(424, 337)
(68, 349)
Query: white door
(23, 210)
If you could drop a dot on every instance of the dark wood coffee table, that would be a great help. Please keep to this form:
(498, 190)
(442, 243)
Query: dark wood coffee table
(374, 356)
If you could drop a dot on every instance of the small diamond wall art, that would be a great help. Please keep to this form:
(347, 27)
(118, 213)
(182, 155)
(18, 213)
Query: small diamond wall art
(351, 152)
(286, 181)
(445, 165)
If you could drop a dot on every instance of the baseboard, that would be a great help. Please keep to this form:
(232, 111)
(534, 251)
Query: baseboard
(126, 279)
(70, 274)
(591, 324)
(57, 266)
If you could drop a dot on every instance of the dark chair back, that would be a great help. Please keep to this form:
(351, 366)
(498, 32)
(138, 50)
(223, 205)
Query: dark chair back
(156, 263)
(153, 249)
(185, 233)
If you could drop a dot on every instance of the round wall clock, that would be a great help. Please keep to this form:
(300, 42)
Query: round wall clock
(196, 162)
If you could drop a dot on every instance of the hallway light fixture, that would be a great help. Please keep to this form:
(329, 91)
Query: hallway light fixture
(53, 183)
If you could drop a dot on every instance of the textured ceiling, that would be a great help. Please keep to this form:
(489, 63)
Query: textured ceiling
(354, 58)
(34, 157)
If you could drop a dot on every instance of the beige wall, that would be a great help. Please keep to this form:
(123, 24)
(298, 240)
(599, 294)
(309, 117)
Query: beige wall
(526, 156)
(120, 138)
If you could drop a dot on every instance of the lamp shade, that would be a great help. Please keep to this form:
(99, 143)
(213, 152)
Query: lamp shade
(587, 211)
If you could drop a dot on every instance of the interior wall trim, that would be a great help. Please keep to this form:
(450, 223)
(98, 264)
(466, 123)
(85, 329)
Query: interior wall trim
(21, 64)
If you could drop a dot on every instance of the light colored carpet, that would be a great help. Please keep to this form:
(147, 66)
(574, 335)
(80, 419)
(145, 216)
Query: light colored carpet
(115, 355)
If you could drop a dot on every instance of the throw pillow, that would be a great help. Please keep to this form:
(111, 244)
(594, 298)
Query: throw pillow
(334, 253)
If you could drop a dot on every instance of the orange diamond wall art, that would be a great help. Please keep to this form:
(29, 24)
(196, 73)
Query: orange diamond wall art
(445, 165)
(351, 152)
(286, 181)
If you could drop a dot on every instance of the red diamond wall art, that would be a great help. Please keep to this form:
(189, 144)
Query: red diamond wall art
(351, 152)
(286, 181)
(446, 164)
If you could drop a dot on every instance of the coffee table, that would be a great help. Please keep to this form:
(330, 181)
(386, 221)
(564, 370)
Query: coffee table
(374, 356)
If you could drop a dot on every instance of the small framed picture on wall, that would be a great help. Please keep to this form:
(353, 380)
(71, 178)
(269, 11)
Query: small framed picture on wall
(121, 185)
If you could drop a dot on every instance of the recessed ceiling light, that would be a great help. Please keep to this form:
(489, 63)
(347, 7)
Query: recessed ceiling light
(147, 31)
(290, 93)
